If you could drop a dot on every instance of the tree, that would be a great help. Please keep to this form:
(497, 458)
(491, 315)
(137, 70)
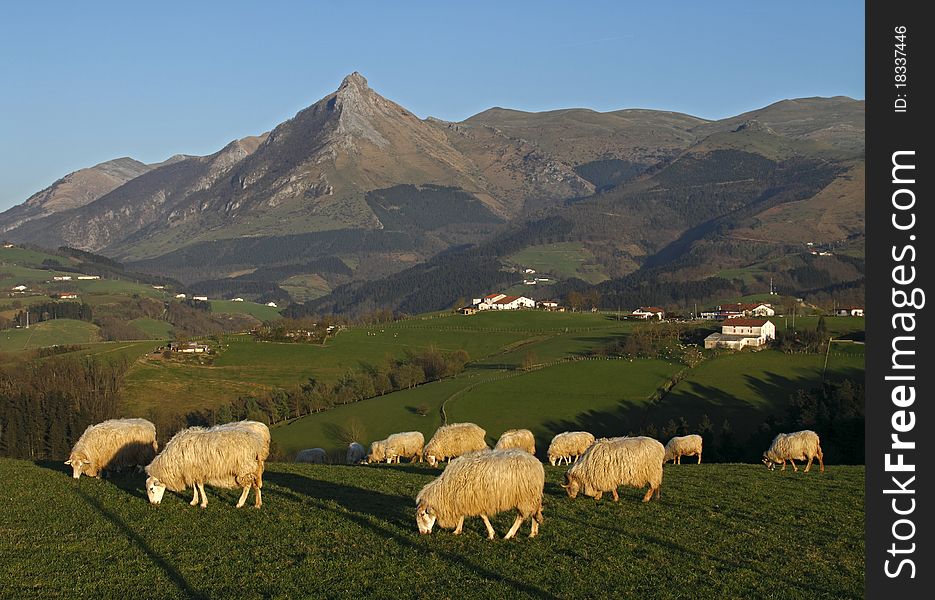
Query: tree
(575, 300)
(822, 328)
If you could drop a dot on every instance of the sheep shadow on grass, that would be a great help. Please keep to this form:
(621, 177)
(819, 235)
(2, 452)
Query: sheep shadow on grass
(382, 514)
(128, 480)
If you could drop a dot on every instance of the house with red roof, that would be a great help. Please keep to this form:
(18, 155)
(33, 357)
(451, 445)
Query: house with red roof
(741, 333)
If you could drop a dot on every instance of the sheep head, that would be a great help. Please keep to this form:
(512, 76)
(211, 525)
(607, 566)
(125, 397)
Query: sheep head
(769, 463)
(571, 486)
(425, 518)
(154, 490)
(80, 463)
(431, 459)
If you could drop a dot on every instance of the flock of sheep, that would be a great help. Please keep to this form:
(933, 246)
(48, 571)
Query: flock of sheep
(477, 482)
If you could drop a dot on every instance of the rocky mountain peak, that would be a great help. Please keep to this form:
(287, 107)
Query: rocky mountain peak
(754, 125)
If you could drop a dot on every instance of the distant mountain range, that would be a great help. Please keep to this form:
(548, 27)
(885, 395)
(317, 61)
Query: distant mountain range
(356, 193)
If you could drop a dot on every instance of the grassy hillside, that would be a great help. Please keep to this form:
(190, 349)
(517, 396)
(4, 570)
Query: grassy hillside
(48, 333)
(719, 531)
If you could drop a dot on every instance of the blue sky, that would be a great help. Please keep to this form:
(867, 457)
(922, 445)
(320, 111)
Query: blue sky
(81, 83)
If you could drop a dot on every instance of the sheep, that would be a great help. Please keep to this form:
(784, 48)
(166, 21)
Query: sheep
(483, 484)
(377, 452)
(686, 445)
(407, 444)
(311, 455)
(355, 453)
(224, 457)
(569, 444)
(262, 432)
(517, 438)
(610, 462)
(112, 445)
(454, 440)
(800, 445)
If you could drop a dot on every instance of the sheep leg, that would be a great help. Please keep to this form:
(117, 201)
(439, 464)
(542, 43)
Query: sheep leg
(783, 465)
(460, 525)
(821, 462)
(699, 458)
(258, 499)
(616, 497)
(195, 496)
(794, 468)
(515, 527)
(534, 531)
(243, 497)
(649, 494)
(491, 534)
(808, 465)
(204, 497)
(598, 496)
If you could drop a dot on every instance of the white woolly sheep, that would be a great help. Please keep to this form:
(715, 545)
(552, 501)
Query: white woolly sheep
(521, 439)
(377, 452)
(224, 457)
(355, 453)
(454, 440)
(316, 456)
(482, 484)
(610, 462)
(569, 444)
(685, 445)
(262, 431)
(801, 445)
(112, 445)
(407, 444)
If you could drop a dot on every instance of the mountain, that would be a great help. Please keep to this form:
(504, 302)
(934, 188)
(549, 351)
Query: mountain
(356, 191)
(73, 190)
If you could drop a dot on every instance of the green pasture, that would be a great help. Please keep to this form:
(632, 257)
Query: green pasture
(329, 531)
(260, 311)
(48, 333)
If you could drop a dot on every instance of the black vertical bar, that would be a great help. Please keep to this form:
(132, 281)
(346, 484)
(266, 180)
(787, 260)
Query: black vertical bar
(897, 128)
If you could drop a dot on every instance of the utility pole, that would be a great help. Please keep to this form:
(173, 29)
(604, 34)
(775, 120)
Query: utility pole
(825, 368)
(27, 318)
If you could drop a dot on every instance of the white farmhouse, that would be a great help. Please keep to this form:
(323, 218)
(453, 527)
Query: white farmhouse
(200, 298)
(739, 333)
(92, 277)
(648, 312)
(504, 302)
(272, 304)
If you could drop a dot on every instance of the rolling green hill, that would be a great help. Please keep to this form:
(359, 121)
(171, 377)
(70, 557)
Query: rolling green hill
(719, 531)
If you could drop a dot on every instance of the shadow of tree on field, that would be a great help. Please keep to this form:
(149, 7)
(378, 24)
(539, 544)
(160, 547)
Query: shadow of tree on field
(170, 571)
(371, 510)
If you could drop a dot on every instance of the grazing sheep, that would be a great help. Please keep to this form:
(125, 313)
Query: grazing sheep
(569, 444)
(482, 484)
(377, 452)
(224, 457)
(454, 440)
(112, 445)
(800, 445)
(610, 462)
(262, 431)
(312, 455)
(355, 453)
(679, 446)
(407, 444)
(517, 438)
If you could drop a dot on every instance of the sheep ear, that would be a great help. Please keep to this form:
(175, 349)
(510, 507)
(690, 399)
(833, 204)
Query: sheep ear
(68, 462)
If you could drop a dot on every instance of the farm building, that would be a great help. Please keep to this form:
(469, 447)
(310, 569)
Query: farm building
(740, 309)
(273, 304)
(503, 302)
(468, 310)
(61, 278)
(852, 311)
(648, 312)
(93, 277)
(739, 333)
(64, 296)
(20, 288)
(189, 347)
(180, 296)
(237, 300)
(547, 305)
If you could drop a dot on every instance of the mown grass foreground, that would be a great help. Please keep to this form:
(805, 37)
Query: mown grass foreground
(719, 531)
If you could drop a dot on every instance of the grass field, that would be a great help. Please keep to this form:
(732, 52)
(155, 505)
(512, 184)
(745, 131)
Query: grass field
(562, 259)
(719, 531)
(155, 328)
(260, 311)
(48, 333)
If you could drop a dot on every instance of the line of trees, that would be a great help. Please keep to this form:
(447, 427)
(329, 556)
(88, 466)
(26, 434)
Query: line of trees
(45, 405)
(47, 311)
